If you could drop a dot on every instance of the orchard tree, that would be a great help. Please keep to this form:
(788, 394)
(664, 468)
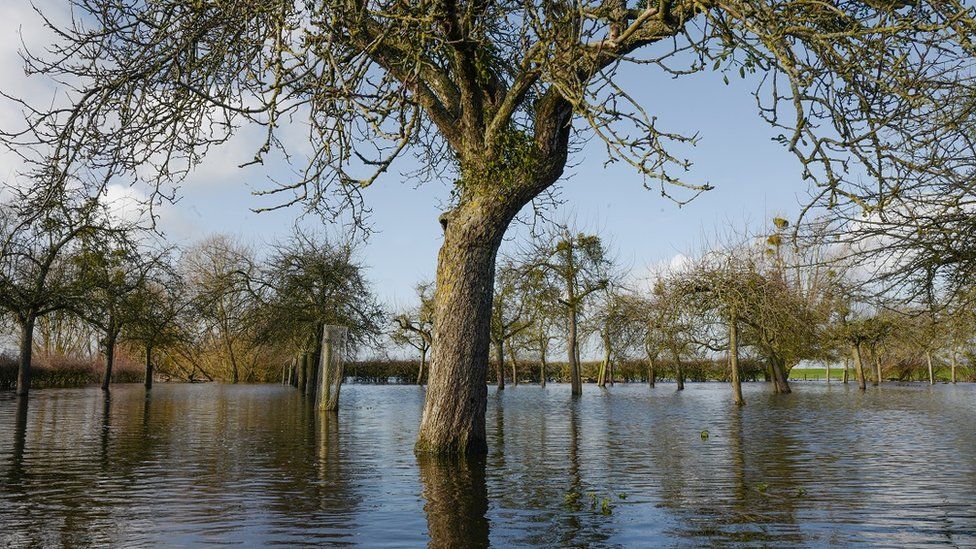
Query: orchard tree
(155, 313)
(114, 272)
(509, 316)
(309, 283)
(493, 95)
(218, 271)
(415, 327)
(578, 263)
(37, 274)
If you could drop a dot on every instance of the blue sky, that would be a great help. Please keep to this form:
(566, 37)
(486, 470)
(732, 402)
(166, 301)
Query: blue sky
(754, 178)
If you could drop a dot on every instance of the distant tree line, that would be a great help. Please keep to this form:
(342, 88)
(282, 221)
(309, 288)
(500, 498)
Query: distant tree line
(750, 307)
(78, 281)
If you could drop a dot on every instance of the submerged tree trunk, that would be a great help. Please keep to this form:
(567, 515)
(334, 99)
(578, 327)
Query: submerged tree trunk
(928, 360)
(149, 367)
(574, 369)
(454, 410)
(499, 365)
(828, 371)
(651, 372)
(780, 382)
(859, 366)
(847, 369)
(109, 361)
(734, 363)
(26, 349)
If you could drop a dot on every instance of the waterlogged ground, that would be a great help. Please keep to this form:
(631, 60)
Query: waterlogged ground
(623, 467)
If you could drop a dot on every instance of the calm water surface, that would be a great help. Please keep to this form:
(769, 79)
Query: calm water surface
(628, 466)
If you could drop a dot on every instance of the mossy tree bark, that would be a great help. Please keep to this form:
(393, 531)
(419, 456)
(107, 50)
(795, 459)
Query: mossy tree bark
(453, 420)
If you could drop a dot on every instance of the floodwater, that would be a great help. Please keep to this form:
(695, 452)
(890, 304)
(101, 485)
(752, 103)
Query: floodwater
(627, 466)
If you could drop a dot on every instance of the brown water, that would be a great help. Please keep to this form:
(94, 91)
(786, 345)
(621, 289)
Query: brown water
(254, 464)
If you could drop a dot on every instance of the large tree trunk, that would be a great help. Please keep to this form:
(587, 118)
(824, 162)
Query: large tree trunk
(149, 367)
(454, 410)
(651, 372)
(26, 349)
(109, 360)
(734, 363)
(858, 366)
(847, 369)
(499, 365)
(828, 371)
(780, 383)
(574, 368)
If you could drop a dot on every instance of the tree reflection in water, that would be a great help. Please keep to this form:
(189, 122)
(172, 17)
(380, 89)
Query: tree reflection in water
(456, 500)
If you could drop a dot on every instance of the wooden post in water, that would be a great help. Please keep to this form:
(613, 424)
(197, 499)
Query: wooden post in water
(331, 368)
(928, 359)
